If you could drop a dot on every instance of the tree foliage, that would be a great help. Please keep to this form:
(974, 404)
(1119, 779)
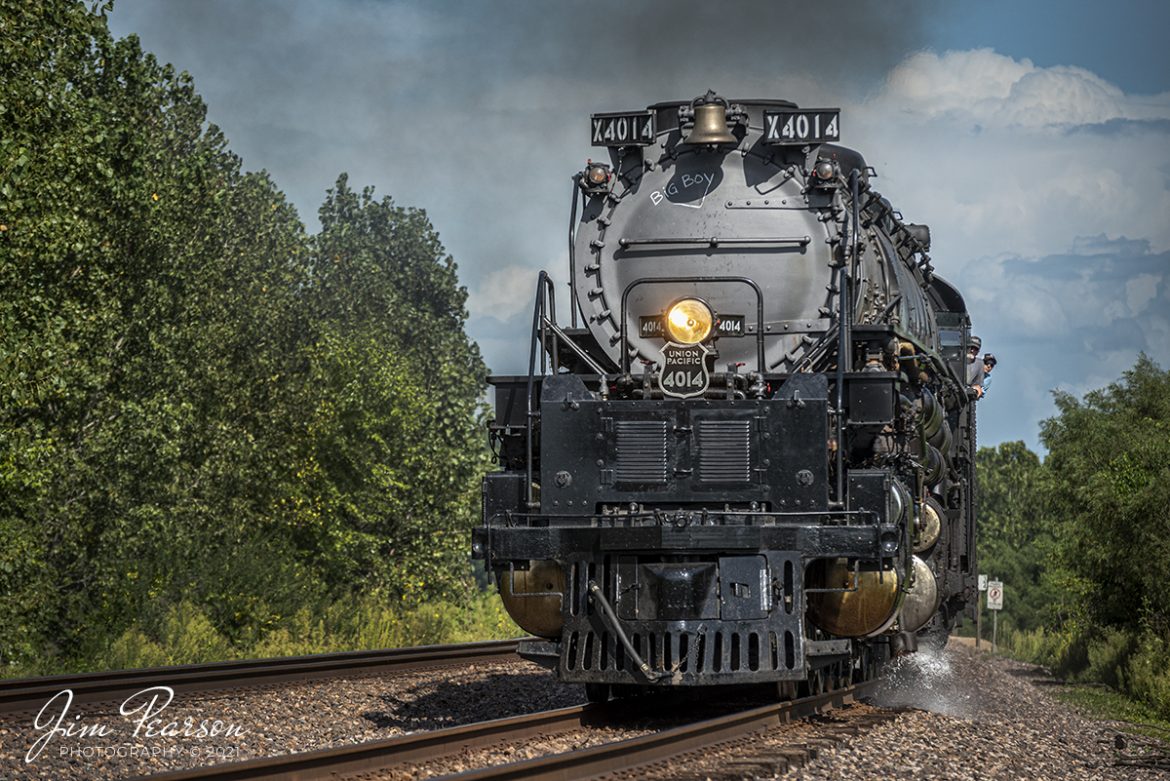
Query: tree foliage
(1082, 539)
(401, 383)
(1015, 534)
(1109, 458)
(200, 403)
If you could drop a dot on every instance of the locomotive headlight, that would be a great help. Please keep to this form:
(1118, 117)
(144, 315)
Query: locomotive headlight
(596, 178)
(689, 321)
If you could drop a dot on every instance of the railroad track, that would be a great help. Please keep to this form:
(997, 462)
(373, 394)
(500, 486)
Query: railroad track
(373, 759)
(30, 694)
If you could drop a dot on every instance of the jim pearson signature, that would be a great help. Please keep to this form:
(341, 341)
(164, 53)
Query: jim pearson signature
(141, 709)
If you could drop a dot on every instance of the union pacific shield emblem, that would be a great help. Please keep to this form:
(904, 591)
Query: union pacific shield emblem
(684, 370)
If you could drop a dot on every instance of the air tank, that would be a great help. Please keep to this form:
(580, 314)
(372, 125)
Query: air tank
(533, 597)
(922, 599)
(854, 603)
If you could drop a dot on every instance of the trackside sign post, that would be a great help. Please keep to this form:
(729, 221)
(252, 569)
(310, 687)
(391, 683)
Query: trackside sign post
(979, 611)
(994, 603)
(995, 595)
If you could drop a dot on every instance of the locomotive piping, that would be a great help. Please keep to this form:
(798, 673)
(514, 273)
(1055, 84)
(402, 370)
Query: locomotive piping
(611, 620)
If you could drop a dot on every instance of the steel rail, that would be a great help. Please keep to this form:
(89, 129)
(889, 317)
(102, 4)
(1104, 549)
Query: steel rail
(380, 756)
(629, 754)
(24, 694)
(413, 749)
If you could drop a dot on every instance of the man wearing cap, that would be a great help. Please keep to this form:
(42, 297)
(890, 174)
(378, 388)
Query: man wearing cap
(988, 364)
(974, 369)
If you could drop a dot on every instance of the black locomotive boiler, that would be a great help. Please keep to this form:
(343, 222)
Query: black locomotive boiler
(749, 455)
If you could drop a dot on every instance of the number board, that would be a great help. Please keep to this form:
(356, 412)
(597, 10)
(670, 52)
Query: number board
(995, 595)
(650, 326)
(728, 325)
(634, 128)
(802, 126)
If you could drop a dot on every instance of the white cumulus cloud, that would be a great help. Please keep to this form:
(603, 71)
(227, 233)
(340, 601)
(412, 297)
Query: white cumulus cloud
(990, 89)
(508, 291)
(1000, 156)
(503, 292)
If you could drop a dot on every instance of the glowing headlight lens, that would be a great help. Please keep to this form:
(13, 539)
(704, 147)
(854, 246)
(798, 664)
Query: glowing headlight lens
(689, 321)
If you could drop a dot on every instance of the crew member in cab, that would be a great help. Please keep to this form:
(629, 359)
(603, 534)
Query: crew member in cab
(974, 369)
(988, 364)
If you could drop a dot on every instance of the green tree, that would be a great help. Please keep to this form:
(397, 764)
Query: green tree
(204, 412)
(1015, 535)
(147, 327)
(1109, 491)
(1009, 501)
(399, 383)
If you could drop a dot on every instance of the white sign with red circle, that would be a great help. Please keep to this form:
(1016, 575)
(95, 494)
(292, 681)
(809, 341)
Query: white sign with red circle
(995, 595)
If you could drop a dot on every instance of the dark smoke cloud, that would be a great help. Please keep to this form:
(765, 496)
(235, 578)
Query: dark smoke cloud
(666, 50)
(414, 91)
(478, 110)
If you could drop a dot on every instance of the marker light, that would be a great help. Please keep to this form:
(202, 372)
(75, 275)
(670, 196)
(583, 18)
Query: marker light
(689, 321)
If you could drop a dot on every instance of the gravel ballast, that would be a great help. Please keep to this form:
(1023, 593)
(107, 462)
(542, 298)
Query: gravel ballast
(952, 714)
(938, 714)
(976, 717)
(278, 720)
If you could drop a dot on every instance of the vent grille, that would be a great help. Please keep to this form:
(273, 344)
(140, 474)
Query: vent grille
(641, 451)
(725, 451)
(694, 653)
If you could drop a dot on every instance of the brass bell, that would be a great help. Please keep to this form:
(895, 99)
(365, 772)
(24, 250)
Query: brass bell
(710, 126)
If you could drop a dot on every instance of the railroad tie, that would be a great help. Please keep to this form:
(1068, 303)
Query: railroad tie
(768, 764)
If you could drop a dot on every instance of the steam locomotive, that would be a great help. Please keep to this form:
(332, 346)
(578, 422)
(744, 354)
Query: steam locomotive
(748, 457)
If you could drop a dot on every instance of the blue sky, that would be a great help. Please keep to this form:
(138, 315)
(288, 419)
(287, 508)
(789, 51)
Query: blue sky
(1034, 138)
(1122, 41)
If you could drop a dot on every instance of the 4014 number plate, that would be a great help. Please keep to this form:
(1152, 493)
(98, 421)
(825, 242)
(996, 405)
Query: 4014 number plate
(684, 370)
(802, 126)
(634, 128)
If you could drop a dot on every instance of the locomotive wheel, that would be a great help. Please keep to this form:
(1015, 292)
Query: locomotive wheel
(597, 692)
(814, 685)
(868, 665)
(621, 691)
(863, 665)
(936, 632)
(787, 690)
(842, 678)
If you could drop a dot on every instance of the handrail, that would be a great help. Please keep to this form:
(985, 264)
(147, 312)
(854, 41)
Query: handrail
(545, 299)
(544, 325)
(584, 356)
(715, 241)
(845, 331)
(573, 251)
